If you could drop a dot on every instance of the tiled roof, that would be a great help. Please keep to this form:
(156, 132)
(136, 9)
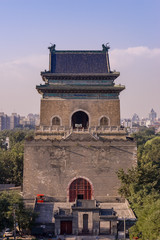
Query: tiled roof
(66, 87)
(79, 62)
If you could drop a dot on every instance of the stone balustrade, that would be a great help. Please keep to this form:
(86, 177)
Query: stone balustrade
(97, 129)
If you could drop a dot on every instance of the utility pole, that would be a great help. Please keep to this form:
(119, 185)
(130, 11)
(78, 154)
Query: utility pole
(124, 228)
(14, 220)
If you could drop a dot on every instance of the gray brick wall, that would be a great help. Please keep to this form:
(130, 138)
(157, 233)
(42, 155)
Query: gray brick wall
(49, 166)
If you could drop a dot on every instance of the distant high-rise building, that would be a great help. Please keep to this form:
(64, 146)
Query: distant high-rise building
(127, 123)
(33, 119)
(14, 120)
(4, 121)
(135, 118)
(152, 115)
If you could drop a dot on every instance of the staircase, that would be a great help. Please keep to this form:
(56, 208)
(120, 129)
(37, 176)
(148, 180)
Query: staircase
(87, 237)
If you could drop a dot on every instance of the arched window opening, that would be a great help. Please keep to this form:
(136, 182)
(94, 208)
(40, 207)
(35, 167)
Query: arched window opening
(80, 120)
(104, 121)
(80, 189)
(56, 121)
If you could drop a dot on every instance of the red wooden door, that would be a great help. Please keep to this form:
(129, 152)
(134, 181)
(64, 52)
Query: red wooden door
(66, 227)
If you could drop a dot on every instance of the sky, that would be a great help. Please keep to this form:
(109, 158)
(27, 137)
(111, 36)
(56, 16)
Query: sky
(28, 27)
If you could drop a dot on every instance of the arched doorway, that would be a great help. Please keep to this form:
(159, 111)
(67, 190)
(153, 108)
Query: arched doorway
(80, 188)
(80, 120)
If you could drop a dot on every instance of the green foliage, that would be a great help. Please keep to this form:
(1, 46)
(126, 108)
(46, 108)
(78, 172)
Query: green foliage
(11, 160)
(144, 135)
(134, 232)
(141, 186)
(11, 171)
(24, 217)
(148, 224)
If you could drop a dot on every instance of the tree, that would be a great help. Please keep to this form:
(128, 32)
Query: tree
(148, 224)
(144, 135)
(24, 217)
(141, 186)
(11, 160)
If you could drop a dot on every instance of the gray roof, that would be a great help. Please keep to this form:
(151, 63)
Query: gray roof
(122, 209)
(79, 62)
(6, 186)
(63, 87)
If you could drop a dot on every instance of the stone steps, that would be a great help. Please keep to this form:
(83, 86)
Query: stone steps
(87, 237)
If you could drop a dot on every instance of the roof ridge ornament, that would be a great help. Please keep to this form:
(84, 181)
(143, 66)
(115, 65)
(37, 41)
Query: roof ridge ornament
(52, 48)
(105, 47)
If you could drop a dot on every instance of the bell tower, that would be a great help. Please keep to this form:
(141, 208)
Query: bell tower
(79, 146)
(79, 93)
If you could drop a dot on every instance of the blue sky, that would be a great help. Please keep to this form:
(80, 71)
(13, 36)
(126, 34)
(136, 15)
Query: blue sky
(131, 27)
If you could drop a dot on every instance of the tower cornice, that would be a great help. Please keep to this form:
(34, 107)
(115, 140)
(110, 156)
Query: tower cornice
(85, 76)
(61, 88)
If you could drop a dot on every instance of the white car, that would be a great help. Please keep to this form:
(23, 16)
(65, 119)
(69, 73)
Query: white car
(8, 232)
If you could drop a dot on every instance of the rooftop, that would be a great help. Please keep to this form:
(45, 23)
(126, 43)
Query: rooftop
(79, 61)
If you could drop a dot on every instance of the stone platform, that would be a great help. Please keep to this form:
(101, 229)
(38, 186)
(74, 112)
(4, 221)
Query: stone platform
(108, 237)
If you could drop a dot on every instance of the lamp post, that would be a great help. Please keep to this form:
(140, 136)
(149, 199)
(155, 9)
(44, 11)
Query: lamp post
(14, 220)
(124, 228)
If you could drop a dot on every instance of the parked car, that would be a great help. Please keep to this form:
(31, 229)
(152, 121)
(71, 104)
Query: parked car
(8, 232)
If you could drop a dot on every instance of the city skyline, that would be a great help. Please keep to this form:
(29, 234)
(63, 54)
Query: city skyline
(27, 29)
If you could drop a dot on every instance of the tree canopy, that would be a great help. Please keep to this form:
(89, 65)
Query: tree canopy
(11, 171)
(11, 160)
(141, 186)
(24, 217)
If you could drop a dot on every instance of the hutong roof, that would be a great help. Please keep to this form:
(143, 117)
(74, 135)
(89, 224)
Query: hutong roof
(79, 61)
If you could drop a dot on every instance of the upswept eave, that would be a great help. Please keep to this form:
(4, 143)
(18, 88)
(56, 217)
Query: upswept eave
(79, 88)
(79, 76)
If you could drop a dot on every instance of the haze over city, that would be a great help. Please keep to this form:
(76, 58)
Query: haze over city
(130, 27)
